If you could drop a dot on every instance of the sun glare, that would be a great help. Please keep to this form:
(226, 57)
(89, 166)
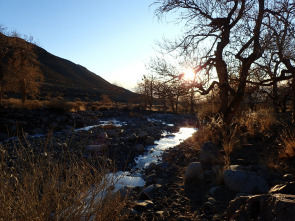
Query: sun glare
(189, 74)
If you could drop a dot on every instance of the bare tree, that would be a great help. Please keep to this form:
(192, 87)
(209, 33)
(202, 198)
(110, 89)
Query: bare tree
(237, 32)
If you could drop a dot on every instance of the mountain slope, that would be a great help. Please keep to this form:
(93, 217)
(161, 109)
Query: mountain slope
(63, 77)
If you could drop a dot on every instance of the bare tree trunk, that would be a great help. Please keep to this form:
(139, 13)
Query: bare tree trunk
(275, 96)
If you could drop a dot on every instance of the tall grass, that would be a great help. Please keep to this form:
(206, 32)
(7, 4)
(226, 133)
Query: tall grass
(231, 136)
(287, 144)
(37, 185)
(258, 121)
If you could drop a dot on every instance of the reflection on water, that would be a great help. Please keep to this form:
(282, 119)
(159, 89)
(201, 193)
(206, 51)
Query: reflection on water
(153, 155)
(154, 152)
(113, 122)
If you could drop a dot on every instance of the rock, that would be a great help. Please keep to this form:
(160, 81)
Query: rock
(151, 188)
(149, 140)
(211, 200)
(103, 136)
(208, 208)
(151, 179)
(165, 156)
(244, 182)
(279, 207)
(287, 188)
(113, 134)
(96, 149)
(37, 131)
(142, 205)
(214, 189)
(142, 135)
(236, 167)
(209, 154)
(139, 148)
(132, 137)
(151, 166)
(144, 196)
(125, 192)
(194, 171)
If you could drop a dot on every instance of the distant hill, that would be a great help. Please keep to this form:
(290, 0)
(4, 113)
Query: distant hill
(65, 78)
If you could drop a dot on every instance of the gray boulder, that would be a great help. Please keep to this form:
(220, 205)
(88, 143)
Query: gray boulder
(139, 148)
(194, 171)
(149, 140)
(279, 207)
(142, 135)
(244, 182)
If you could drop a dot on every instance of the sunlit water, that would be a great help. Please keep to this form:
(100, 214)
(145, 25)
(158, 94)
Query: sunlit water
(113, 122)
(153, 154)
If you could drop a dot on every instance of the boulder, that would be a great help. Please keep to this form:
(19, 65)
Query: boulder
(113, 134)
(132, 137)
(279, 207)
(142, 205)
(142, 134)
(194, 171)
(149, 140)
(96, 149)
(139, 148)
(244, 182)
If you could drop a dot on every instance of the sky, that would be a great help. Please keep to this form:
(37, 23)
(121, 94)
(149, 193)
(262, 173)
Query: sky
(112, 38)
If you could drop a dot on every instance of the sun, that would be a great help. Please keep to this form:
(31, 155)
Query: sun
(189, 74)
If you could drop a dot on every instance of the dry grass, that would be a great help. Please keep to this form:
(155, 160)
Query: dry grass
(66, 106)
(230, 141)
(229, 136)
(37, 186)
(17, 104)
(287, 144)
(206, 111)
(259, 121)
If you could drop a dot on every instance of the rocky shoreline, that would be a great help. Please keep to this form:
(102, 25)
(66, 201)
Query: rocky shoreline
(191, 184)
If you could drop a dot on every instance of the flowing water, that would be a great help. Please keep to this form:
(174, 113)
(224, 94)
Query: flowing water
(153, 154)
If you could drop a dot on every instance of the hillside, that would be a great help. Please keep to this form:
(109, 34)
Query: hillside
(67, 79)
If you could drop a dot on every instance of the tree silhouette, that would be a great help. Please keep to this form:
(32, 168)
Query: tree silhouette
(233, 35)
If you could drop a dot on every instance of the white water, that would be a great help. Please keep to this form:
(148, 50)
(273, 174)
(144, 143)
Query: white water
(153, 154)
(113, 122)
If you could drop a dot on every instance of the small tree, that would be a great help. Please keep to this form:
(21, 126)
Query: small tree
(19, 69)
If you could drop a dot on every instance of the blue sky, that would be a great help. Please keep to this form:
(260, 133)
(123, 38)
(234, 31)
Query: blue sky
(113, 39)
